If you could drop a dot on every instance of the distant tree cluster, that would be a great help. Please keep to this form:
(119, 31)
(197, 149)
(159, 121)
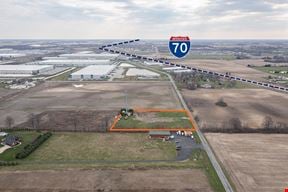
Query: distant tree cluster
(192, 81)
(276, 59)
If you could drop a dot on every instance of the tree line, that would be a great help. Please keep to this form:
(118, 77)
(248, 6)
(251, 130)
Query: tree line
(235, 125)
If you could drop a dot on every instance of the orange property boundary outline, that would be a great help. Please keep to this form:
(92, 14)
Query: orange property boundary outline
(139, 110)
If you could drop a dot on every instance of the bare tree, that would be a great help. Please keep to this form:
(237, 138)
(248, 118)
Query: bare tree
(9, 121)
(197, 118)
(75, 122)
(191, 85)
(106, 124)
(203, 125)
(38, 121)
(235, 123)
(32, 120)
(268, 122)
(226, 125)
(35, 121)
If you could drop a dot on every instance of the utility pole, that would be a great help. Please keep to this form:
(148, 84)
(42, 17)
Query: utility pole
(126, 101)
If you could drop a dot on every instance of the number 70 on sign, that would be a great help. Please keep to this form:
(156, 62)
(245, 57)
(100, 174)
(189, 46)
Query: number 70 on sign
(183, 47)
(179, 46)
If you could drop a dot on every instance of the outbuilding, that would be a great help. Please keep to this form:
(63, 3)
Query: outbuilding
(142, 73)
(3, 134)
(159, 134)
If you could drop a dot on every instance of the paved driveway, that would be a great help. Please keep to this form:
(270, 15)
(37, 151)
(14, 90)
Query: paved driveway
(187, 145)
(4, 148)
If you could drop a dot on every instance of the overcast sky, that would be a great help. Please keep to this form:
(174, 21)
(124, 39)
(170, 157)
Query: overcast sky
(148, 19)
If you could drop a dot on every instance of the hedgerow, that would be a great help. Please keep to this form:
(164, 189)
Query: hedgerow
(29, 148)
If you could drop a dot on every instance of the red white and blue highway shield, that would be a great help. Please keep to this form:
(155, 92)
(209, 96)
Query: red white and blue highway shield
(179, 45)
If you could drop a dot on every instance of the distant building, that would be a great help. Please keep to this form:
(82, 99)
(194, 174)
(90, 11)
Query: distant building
(143, 73)
(80, 59)
(182, 71)
(206, 86)
(73, 62)
(3, 134)
(93, 72)
(96, 56)
(24, 69)
(126, 65)
(11, 140)
(11, 55)
(172, 68)
(152, 63)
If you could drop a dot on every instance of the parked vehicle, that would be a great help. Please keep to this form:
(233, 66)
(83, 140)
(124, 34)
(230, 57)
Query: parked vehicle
(178, 147)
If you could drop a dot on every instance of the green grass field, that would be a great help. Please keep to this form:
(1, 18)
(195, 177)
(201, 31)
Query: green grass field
(109, 150)
(26, 137)
(197, 160)
(203, 162)
(273, 70)
(91, 147)
(156, 120)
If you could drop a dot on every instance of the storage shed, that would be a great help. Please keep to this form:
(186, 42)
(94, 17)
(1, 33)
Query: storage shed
(159, 134)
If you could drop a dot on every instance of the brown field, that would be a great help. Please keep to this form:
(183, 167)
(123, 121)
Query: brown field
(105, 180)
(235, 67)
(249, 105)
(7, 93)
(255, 162)
(83, 120)
(94, 96)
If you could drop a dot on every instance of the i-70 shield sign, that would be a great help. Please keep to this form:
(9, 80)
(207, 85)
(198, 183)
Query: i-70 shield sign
(179, 46)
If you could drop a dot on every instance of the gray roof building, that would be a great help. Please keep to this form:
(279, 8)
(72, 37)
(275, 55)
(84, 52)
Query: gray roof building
(11, 140)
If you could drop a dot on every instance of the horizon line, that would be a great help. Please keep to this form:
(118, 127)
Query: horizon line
(80, 39)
